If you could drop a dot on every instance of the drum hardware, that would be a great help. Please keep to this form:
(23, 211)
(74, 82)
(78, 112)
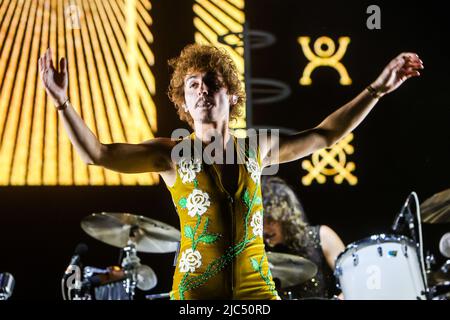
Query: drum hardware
(157, 296)
(290, 296)
(446, 267)
(354, 256)
(430, 261)
(380, 251)
(338, 271)
(404, 249)
(136, 274)
(89, 271)
(337, 274)
(355, 259)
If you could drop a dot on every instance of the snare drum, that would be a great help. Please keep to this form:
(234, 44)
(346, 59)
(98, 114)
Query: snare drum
(380, 267)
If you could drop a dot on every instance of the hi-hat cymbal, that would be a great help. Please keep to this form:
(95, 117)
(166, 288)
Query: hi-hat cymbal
(437, 208)
(117, 229)
(290, 269)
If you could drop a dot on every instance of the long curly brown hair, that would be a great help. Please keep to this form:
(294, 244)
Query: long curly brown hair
(204, 58)
(281, 204)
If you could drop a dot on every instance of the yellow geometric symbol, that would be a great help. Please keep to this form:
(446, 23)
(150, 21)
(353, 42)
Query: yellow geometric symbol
(328, 57)
(111, 84)
(331, 162)
(214, 18)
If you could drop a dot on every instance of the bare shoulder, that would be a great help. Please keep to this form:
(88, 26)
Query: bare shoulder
(332, 244)
(329, 238)
(164, 147)
(326, 232)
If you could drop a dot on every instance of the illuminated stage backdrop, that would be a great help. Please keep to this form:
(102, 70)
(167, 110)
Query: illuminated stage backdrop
(111, 84)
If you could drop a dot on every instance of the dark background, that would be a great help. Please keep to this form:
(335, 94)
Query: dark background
(403, 145)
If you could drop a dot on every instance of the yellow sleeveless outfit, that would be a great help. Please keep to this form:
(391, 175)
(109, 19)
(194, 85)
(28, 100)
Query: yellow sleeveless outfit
(222, 253)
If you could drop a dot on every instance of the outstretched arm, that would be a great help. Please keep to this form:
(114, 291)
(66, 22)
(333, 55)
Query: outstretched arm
(149, 156)
(344, 120)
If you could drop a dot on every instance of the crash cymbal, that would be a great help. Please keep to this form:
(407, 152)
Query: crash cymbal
(117, 229)
(437, 208)
(290, 269)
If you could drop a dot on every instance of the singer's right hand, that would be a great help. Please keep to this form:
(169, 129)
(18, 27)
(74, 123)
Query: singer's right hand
(55, 82)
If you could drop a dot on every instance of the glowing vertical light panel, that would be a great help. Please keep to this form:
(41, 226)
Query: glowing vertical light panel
(107, 45)
(214, 18)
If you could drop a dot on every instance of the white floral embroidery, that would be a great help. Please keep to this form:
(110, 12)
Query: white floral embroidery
(257, 224)
(254, 169)
(188, 169)
(197, 202)
(190, 260)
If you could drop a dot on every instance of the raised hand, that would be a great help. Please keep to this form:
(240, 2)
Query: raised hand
(403, 67)
(55, 82)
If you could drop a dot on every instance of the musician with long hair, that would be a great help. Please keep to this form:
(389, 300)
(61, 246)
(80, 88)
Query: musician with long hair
(287, 230)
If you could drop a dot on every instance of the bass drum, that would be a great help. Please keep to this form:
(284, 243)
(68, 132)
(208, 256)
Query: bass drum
(380, 267)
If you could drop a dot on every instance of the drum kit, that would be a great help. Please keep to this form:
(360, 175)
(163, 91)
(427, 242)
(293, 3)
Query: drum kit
(392, 266)
(132, 234)
(382, 266)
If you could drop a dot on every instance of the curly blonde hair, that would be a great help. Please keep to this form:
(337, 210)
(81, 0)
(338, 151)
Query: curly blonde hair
(204, 58)
(281, 204)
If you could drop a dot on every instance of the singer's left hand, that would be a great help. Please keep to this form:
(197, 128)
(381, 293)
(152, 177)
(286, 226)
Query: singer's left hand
(403, 67)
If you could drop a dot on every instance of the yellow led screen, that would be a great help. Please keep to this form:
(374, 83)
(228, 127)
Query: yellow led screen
(107, 45)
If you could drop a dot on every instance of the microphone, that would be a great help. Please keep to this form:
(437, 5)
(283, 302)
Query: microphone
(444, 245)
(80, 250)
(400, 218)
(6, 285)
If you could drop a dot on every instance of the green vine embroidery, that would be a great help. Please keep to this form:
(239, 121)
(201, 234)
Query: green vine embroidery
(204, 237)
(189, 283)
(267, 278)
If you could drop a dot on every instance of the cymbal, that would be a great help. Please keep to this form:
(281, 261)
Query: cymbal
(146, 278)
(290, 269)
(117, 229)
(436, 209)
